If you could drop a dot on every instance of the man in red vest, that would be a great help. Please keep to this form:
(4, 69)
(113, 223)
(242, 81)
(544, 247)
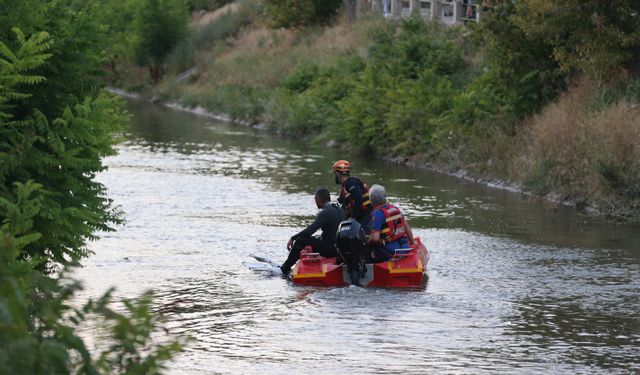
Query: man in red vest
(389, 230)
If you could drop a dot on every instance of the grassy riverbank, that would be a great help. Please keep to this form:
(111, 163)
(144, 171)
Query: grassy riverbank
(488, 99)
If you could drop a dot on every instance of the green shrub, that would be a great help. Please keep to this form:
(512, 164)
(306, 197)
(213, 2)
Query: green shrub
(591, 36)
(301, 78)
(308, 100)
(417, 46)
(632, 92)
(392, 102)
(292, 13)
(414, 121)
(522, 69)
(403, 95)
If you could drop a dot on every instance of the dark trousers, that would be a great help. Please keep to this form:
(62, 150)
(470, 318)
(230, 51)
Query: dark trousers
(379, 254)
(324, 248)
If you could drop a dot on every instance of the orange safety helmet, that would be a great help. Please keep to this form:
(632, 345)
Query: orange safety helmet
(341, 166)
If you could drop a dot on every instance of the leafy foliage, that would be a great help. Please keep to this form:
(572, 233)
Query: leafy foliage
(118, 16)
(596, 37)
(308, 102)
(294, 13)
(35, 143)
(32, 54)
(393, 102)
(159, 25)
(50, 206)
(77, 41)
(521, 69)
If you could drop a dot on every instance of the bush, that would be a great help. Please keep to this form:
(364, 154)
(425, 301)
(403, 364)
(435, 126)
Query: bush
(308, 101)
(521, 69)
(301, 78)
(293, 13)
(593, 37)
(417, 46)
(406, 90)
(392, 102)
(64, 134)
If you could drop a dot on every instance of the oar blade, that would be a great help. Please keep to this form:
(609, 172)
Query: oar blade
(265, 260)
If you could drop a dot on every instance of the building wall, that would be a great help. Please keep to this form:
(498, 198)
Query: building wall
(449, 12)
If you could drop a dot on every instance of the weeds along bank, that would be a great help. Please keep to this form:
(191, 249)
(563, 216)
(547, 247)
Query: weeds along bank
(581, 147)
(496, 98)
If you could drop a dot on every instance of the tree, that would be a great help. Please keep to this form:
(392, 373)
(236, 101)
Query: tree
(593, 36)
(58, 148)
(159, 25)
(38, 328)
(75, 69)
(521, 71)
(118, 17)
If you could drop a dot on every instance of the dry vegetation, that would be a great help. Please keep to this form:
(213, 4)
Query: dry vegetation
(203, 18)
(237, 75)
(582, 154)
(278, 52)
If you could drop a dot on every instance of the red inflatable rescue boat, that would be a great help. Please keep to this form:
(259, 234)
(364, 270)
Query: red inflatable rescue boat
(406, 269)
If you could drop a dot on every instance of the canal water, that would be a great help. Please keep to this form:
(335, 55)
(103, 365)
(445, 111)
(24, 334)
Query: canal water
(515, 286)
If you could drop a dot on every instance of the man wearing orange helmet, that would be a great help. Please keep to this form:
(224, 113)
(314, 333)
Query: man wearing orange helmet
(354, 193)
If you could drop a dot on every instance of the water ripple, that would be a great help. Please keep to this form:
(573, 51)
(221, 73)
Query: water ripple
(513, 288)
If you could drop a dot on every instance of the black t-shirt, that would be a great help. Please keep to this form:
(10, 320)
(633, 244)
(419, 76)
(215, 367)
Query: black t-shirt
(328, 220)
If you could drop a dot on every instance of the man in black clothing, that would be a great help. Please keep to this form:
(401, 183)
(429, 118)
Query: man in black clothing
(327, 220)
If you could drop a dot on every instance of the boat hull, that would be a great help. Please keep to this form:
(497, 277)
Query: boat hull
(405, 270)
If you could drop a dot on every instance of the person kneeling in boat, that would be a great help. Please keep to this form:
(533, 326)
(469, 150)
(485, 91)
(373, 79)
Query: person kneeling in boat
(389, 229)
(327, 220)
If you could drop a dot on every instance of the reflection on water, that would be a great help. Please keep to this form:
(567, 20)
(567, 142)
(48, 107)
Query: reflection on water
(514, 286)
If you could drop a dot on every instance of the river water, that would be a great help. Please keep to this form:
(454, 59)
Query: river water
(515, 286)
